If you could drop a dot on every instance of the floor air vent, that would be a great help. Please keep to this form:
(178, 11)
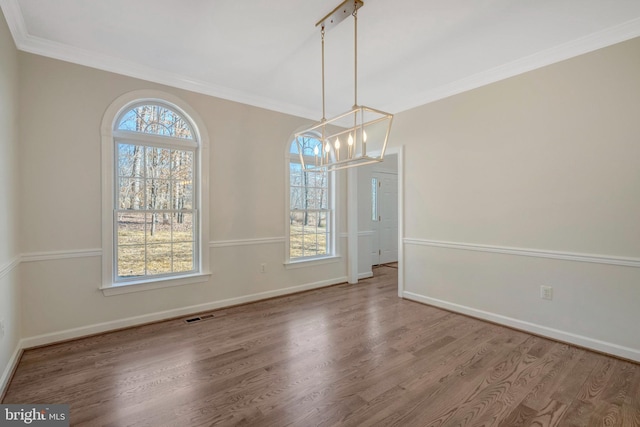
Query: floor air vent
(199, 318)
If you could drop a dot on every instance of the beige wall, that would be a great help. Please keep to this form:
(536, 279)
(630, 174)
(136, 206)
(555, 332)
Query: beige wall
(547, 161)
(61, 109)
(9, 182)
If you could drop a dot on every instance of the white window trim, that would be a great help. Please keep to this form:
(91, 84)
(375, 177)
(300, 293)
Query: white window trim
(332, 248)
(117, 107)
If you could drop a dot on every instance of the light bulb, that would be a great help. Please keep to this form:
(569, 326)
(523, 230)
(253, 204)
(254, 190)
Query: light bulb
(327, 148)
(315, 150)
(350, 140)
(337, 144)
(364, 136)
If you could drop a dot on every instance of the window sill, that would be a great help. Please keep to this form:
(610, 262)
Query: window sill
(311, 262)
(147, 285)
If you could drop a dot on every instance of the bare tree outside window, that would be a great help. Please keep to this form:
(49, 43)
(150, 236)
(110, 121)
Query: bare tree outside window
(155, 216)
(309, 210)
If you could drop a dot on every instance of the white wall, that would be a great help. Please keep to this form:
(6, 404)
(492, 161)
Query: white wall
(534, 180)
(61, 108)
(9, 251)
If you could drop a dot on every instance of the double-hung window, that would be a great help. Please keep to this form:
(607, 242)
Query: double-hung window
(310, 204)
(155, 195)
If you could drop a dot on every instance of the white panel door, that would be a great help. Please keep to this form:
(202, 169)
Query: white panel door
(385, 239)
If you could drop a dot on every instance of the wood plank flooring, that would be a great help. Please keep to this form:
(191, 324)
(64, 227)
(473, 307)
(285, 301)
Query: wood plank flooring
(348, 355)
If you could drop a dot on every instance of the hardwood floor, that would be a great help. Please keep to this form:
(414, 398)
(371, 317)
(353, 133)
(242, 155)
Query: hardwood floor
(352, 355)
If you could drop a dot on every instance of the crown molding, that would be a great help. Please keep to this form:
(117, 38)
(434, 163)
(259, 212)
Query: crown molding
(39, 46)
(598, 40)
(55, 50)
(15, 20)
(31, 44)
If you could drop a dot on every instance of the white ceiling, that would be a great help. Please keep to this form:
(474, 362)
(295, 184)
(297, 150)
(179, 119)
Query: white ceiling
(267, 52)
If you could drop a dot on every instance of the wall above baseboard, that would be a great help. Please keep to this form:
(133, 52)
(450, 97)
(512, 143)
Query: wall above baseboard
(567, 337)
(537, 253)
(68, 334)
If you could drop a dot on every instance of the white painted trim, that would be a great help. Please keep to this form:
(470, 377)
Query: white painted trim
(537, 253)
(568, 337)
(399, 152)
(15, 19)
(365, 275)
(366, 233)
(87, 253)
(352, 225)
(580, 46)
(9, 266)
(169, 314)
(148, 285)
(13, 362)
(55, 255)
(246, 242)
(310, 262)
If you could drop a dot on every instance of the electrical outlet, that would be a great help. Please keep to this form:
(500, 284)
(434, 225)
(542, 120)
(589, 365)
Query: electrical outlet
(263, 267)
(546, 292)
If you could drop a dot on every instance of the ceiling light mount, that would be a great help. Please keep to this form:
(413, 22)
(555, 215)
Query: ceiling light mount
(340, 13)
(364, 130)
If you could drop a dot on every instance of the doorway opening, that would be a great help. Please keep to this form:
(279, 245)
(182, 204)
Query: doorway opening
(384, 217)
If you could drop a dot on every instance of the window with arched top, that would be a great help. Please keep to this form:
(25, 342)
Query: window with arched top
(153, 194)
(311, 215)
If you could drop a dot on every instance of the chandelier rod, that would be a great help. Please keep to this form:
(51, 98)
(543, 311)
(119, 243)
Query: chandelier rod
(355, 55)
(324, 116)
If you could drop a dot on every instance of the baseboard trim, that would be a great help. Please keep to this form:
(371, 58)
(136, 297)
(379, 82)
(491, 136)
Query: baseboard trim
(10, 369)
(567, 337)
(69, 334)
(365, 275)
(537, 253)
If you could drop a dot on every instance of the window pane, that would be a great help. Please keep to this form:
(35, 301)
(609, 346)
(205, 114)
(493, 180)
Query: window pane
(158, 163)
(155, 119)
(158, 194)
(183, 227)
(182, 195)
(131, 261)
(308, 196)
(131, 228)
(158, 227)
(323, 222)
(296, 196)
(159, 259)
(130, 193)
(295, 174)
(182, 257)
(374, 199)
(182, 164)
(130, 160)
(308, 146)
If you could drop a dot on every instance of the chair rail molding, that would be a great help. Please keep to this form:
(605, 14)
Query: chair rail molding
(537, 253)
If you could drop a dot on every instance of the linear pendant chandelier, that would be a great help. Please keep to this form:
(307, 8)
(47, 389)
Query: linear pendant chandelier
(355, 138)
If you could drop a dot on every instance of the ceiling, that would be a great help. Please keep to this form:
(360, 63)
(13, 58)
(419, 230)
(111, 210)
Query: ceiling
(267, 52)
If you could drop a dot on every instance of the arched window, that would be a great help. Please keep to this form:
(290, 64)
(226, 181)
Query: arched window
(154, 196)
(311, 215)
